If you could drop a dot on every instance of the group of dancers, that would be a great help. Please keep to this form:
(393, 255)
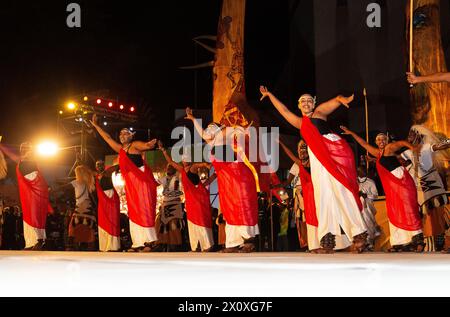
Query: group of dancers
(336, 214)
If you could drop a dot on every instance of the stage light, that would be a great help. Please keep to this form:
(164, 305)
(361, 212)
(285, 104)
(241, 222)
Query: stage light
(47, 148)
(110, 104)
(131, 128)
(132, 109)
(99, 101)
(121, 107)
(105, 123)
(85, 98)
(71, 106)
(60, 112)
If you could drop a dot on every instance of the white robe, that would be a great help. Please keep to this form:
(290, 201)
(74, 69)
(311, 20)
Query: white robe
(336, 207)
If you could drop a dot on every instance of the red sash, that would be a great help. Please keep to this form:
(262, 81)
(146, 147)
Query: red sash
(34, 199)
(108, 211)
(198, 210)
(337, 157)
(238, 198)
(401, 199)
(140, 190)
(308, 197)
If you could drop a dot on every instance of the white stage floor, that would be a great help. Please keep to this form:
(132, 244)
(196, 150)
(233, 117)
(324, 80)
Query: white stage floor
(224, 275)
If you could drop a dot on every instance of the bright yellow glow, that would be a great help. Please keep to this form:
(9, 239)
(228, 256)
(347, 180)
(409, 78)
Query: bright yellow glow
(60, 112)
(47, 148)
(71, 106)
(85, 98)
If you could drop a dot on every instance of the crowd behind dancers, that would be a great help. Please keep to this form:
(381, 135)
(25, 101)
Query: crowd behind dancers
(332, 202)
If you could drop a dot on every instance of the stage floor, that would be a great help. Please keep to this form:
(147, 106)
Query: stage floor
(214, 274)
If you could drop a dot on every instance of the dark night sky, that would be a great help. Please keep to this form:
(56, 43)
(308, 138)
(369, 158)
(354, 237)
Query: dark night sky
(130, 49)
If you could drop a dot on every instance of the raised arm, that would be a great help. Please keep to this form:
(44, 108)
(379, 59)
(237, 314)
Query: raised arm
(432, 78)
(197, 124)
(144, 146)
(393, 147)
(293, 119)
(168, 158)
(105, 135)
(325, 109)
(371, 149)
(289, 153)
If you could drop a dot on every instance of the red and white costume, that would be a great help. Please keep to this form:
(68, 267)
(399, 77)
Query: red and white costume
(401, 204)
(238, 201)
(309, 206)
(108, 219)
(140, 190)
(198, 212)
(336, 193)
(238, 197)
(33, 190)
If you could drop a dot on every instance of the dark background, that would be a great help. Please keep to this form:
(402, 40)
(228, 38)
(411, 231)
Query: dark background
(134, 50)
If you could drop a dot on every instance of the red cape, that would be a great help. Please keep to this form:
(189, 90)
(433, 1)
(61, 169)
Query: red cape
(108, 211)
(34, 199)
(198, 210)
(140, 190)
(308, 197)
(337, 157)
(238, 198)
(401, 199)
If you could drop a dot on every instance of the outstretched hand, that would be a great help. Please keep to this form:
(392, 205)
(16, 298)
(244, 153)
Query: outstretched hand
(151, 144)
(264, 92)
(345, 100)
(346, 130)
(189, 114)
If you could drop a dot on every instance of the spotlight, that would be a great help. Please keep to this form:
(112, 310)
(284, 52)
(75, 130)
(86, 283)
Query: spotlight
(132, 109)
(71, 106)
(105, 123)
(99, 101)
(47, 148)
(131, 128)
(85, 98)
(121, 107)
(60, 112)
(110, 104)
